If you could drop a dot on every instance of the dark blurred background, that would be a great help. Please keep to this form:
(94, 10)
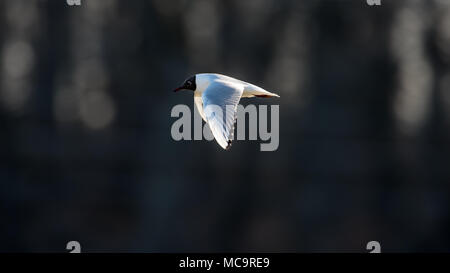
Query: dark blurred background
(86, 152)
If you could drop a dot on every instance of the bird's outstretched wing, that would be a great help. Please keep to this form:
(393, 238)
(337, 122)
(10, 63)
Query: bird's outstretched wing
(199, 104)
(220, 102)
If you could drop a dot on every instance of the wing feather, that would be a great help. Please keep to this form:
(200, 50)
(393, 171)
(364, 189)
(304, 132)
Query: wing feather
(199, 104)
(220, 102)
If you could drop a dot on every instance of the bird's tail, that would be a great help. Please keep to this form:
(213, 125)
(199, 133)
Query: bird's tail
(266, 95)
(258, 92)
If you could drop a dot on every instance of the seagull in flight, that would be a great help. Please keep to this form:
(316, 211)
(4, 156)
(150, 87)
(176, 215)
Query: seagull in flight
(216, 97)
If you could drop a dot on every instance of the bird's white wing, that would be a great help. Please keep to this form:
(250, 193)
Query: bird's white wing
(220, 102)
(199, 104)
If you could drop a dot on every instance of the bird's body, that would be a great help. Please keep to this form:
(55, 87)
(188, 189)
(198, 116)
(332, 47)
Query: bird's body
(250, 90)
(216, 97)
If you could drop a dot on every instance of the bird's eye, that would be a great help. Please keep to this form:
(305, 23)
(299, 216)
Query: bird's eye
(189, 83)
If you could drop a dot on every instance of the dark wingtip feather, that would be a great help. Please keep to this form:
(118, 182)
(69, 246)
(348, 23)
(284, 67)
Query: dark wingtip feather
(229, 145)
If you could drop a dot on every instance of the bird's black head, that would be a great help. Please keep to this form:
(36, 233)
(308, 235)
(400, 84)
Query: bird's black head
(188, 84)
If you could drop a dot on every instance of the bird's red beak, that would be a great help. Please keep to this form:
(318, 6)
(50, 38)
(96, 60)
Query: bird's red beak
(178, 89)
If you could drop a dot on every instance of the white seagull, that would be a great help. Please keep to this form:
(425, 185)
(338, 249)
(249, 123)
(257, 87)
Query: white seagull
(215, 94)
